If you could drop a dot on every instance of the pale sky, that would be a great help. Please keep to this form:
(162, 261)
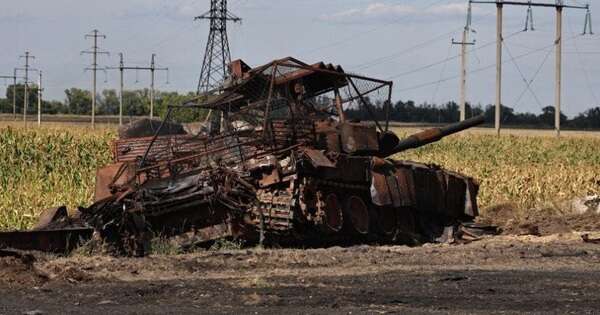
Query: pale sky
(406, 41)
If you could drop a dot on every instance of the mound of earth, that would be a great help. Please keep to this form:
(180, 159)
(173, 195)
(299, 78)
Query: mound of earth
(17, 269)
(148, 127)
(542, 221)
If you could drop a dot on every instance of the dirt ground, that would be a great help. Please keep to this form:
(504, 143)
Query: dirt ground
(554, 274)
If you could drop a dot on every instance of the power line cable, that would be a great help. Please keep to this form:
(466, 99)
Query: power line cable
(425, 67)
(479, 69)
(539, 69)
(442, 72)
(384, 59)
(527, 86)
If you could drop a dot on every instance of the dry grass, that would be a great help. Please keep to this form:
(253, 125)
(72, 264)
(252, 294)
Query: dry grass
(56, 165)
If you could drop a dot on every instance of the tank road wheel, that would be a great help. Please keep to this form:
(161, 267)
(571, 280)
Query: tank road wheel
(387, 221)
(334, 219)
(358, 213)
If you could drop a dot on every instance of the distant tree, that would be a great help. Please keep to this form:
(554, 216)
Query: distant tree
(136, 102)
(507, 114)
(19, 89)
(54, 107)
(166, 99)
(589, 119)
(547, 117)
(109, 103)
(5, 106)
(78, 101)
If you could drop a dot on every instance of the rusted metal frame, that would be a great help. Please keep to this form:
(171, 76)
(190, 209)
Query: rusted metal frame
(269, 99)
(167, 117)
(195, 156)
(342, 74)
(257, 155)
(240, 151)
(388, 108)
(120, 172)
(369, 91)
(362, 99)
(217, 102)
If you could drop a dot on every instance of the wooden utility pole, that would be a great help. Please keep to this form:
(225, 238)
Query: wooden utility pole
(94, 52)
(559, 6)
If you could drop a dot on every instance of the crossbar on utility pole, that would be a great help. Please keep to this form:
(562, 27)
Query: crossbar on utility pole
(152, 68)
(559, 6)
(94, 52)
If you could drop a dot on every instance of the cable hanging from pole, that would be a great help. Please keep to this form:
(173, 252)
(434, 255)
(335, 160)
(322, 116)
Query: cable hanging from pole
(587, 27)
(529, 19)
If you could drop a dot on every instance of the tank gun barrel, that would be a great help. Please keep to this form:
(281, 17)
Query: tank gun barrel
(435, 134)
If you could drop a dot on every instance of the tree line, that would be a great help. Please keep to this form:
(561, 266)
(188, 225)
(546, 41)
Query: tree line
(79, 102)
(137, 103)
(449, 112)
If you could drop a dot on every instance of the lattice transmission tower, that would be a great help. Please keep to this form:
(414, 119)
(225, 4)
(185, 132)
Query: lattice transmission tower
(217, 56)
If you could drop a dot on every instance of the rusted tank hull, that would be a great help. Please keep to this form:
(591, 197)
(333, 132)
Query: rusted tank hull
(317, 200)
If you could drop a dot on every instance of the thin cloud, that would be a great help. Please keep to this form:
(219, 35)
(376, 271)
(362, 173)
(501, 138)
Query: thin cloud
(373, 12)
(454, 9)
(383, 12)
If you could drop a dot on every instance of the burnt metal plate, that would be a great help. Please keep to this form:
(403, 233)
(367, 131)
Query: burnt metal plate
(55, 241)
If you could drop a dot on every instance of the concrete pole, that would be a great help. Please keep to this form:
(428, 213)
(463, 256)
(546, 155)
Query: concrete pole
(499, 40)
(25, 101)
(463, 76)
(152, 87)
(558, 91)
(15, 94)
(338, 105)
(25, 94)
(94, 66)
(121, 66)
(39, 109)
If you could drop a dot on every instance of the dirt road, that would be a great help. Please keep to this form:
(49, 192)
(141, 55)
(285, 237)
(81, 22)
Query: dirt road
(504, 274)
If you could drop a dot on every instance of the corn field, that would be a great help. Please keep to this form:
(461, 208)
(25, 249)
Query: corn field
(43, 168)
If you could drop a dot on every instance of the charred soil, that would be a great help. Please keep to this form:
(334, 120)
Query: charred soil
(504, 274)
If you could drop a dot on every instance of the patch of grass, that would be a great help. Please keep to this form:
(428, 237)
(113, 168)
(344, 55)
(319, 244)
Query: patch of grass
(163, 246)
(226, 244)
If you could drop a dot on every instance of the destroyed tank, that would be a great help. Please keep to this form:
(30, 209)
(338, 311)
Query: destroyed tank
(281, 162)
